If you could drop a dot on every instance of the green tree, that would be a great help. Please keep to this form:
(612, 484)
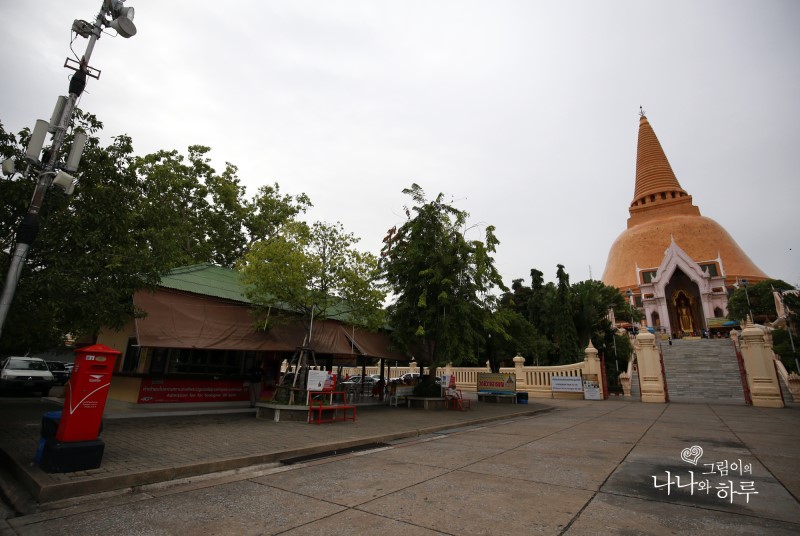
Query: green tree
(566, 336)
(131, 220)
(90, 253)
(315, 271)
(791, 301)
(441, 283)
(760, 298)
(518, 336)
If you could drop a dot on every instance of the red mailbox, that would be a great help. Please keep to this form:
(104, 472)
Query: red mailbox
(85, 394)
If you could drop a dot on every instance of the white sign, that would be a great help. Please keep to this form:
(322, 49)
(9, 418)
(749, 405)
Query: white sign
(317, 379)
(567, 384)
(591, 387)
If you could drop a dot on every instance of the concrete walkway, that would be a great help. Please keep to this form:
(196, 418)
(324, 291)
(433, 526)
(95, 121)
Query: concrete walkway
(554, 467)
(149, 444)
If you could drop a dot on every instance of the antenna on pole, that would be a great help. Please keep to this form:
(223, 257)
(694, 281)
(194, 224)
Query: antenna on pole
(49, 171)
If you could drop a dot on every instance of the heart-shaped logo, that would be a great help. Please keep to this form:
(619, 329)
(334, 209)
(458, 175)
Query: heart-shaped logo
(692, 454)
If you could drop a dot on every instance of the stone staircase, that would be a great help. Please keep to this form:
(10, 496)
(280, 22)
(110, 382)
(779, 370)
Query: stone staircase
(705, 369)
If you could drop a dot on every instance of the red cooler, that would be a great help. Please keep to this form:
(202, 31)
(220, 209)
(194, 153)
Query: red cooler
(85, 394)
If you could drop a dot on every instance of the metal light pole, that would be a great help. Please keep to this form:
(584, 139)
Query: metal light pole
(614, 337)
(113, 15)
(629, 294)
(746, 295)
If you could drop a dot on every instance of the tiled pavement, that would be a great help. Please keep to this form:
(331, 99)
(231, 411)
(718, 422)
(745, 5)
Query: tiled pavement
(144, 450)
(584, 468)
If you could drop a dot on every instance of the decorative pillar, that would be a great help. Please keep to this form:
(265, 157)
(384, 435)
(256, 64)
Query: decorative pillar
(591, 365)
(651, 379)
(761, 376)
(519, 363)
(625, 380)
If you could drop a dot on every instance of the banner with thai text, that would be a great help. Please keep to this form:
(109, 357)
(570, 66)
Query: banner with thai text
(499, 383)
(155, 391)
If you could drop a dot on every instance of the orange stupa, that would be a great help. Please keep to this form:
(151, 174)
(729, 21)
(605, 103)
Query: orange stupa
(662, 213)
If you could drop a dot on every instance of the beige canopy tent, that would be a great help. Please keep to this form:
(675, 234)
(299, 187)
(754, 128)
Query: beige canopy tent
(176, 319)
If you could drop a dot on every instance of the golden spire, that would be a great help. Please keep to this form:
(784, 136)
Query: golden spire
(657, 190)
(654, 175)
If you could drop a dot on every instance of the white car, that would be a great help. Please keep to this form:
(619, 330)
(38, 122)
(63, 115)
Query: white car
(25, 374)
(408, 377)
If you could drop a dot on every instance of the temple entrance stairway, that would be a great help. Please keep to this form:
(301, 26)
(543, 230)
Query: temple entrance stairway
(702, 370)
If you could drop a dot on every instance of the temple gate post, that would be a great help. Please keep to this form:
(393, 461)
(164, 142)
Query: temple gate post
(625, 381)
(651, 379)
(761, 376)
(591, 365)
(519, 363)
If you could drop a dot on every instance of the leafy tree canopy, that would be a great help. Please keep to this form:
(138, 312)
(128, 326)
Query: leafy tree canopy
(761, 300)
(441, 282)
(315, 270)
(130, 220)
(562, 316)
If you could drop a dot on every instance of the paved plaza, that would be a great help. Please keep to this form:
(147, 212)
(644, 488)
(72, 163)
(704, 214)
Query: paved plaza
(550, 467)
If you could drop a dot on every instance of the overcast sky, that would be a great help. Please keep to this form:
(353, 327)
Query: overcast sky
(524, 113)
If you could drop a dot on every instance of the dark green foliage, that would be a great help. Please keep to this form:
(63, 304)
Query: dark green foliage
(130, 220)
(428, 387)
(565, 336)
(441, 282)
(786, 347)
(762, 302)
(541, 320)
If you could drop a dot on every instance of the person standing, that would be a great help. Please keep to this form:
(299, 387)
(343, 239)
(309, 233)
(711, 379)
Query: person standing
(254, 374)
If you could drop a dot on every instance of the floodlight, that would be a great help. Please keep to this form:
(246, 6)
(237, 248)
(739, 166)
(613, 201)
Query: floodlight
(37, 140)
(123, 19)
(124, 27)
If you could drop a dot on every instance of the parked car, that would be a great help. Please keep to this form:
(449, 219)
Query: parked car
(59, 371)
(357, 381)
(25, 374)
(408, 377)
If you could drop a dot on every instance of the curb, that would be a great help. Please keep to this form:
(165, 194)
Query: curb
(44, 492)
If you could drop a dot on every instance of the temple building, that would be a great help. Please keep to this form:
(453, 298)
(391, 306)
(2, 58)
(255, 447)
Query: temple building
(674, 264)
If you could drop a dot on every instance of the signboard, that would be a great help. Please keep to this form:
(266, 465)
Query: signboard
(566, 384)
(591, 387)
(499, 383)
(321, 380)
(153, 391)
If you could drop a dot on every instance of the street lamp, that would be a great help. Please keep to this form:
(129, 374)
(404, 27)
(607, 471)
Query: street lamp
(113, 14)
(628, 293)
(746, 295)
(614, 335)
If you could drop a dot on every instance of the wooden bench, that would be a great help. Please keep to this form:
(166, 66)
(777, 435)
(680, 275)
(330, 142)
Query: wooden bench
(497, 397)
(426, 401)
